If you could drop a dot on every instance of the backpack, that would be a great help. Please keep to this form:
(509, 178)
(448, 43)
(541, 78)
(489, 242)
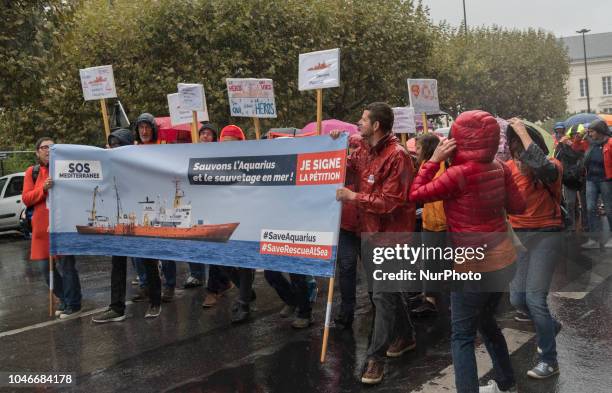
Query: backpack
(573, 166)
(30, 210)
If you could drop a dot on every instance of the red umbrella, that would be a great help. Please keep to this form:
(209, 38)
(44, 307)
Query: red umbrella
(332, 124)
(167, 133)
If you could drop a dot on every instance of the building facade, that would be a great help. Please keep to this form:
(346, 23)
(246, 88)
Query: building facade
(599, 65)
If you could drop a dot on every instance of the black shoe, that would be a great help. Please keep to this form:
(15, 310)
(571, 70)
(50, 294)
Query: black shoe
(426, 309)
(240, 312)
(344, 321)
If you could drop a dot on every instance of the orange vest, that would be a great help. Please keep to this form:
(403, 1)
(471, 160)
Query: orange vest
(434, 219)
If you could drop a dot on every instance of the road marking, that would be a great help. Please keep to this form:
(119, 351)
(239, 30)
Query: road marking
(446, 381)
(53, 322)
(584, 284)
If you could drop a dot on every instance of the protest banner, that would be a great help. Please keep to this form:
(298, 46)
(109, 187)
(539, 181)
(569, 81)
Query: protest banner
(179, 115)
(403, 122)
(254, 204)
(98, 83)
(320, 70)
(423, 95)
(192, 98)
(250, 97)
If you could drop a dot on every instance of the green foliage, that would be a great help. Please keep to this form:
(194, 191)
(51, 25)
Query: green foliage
(155, 44)
(505, 72)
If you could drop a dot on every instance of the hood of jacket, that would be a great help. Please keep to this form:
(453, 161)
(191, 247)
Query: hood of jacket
(477, 136)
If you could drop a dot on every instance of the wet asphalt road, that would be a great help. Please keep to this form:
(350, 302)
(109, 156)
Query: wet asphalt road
(189, 349)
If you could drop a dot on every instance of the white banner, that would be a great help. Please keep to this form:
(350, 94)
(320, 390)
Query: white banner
(403, 122)
(424, 95)
(319, 70)
(250, 97)
(98, 83)
(179, 115)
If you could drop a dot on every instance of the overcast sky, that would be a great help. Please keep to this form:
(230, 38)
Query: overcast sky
(562, 17)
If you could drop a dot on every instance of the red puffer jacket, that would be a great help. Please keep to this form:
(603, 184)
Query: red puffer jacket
(384, 174)
(477, 191)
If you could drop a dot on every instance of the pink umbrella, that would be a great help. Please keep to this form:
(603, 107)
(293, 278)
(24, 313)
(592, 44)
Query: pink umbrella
(332, 124)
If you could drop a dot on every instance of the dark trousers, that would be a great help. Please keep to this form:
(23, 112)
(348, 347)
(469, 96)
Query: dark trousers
(153, 280)
(243, 279)
(391, 320)
(118, 277)
(349, 248)
(66, 282)
(218, 280)
(293, 293)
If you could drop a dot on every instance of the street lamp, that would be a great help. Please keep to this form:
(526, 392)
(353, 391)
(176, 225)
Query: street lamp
(586, 71)
(464, 19)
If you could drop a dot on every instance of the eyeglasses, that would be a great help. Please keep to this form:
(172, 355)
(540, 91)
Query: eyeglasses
(45, 147)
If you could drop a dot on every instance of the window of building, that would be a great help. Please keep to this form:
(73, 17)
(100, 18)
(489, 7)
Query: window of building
(607, 110)
(583, 88)
(607, 85)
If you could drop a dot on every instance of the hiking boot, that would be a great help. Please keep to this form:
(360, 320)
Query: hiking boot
(192, 282)
(210, 300)
(141, 296)
(543, 370)
(301, 323)
(522, 317)
(373, 373)
(69, 313)
(167, 295)
(492, 387)
(400, 346)
(153, 311)
(60, 308)
(287, 311)
(591, 245)
(109, 315)
(240, 312)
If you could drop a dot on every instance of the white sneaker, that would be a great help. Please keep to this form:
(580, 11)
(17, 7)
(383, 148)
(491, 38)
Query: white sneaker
(591, 244)
(608, 243)
(492, 387)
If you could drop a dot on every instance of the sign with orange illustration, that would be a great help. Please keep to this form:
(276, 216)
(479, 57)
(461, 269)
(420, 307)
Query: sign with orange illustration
(424, 95)
(98, 82)
(319, 70)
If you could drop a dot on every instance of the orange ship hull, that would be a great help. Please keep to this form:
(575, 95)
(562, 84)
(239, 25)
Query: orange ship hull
(210, 233)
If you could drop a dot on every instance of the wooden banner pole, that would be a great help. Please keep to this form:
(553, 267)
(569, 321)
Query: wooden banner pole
(194, 127)
(319, 110)
(425, 126)
(330, 297)
(257, 128)
(51, 283)
(105, 117)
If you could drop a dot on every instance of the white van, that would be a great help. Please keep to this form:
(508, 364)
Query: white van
(11, 205)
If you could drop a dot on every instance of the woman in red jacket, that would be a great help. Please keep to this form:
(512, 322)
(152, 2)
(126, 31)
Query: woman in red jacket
(67, 287)
(539, 181)
(477, 192)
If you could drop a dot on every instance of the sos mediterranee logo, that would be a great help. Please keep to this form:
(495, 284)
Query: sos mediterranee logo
(78, 170)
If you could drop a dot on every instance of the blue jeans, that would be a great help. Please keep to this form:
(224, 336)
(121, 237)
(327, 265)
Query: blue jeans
(140, 271)
(529, 288)
(197, 270)
(474, 311)
(593, 191)
(66, 283)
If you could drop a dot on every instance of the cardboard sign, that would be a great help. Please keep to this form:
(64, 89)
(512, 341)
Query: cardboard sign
(179, 115)
(250, 97)
(404, 120)
(98, 83)
(424, 95)
(192, 97)
(319, 70)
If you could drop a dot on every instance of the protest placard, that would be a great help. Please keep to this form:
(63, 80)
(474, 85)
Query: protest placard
(423, 95)
(250, 97)
(98, 82)
(179, 115)
(404, 122)
(192, 97)
(319, 70)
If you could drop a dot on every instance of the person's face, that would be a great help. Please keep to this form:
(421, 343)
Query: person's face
(418, 148)
(145, 131)
(365, 125)
(206, 136)
(43, 152)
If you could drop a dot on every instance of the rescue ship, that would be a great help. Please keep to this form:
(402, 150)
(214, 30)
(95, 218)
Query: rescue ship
(157, 221)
